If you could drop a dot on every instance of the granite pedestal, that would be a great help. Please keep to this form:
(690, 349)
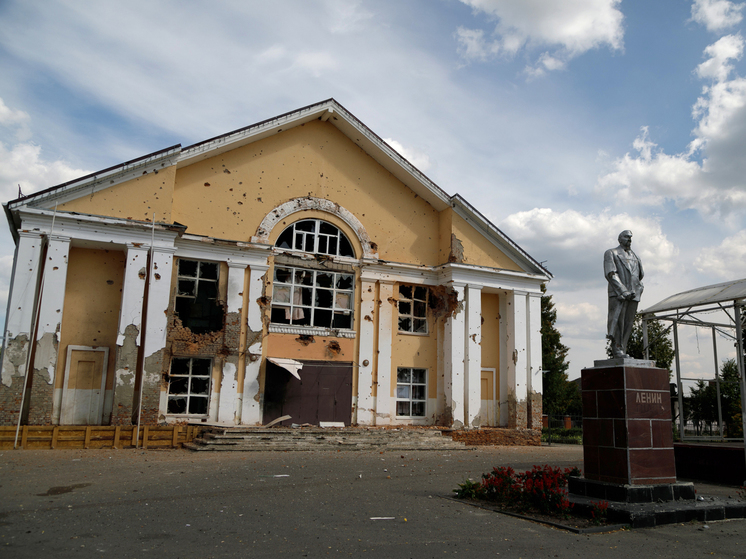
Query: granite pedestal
(628, 449)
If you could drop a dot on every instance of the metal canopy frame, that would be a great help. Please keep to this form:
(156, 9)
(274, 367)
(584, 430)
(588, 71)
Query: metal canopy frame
(690, 308)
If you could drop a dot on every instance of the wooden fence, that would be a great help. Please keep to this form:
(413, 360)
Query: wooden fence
(92, 436)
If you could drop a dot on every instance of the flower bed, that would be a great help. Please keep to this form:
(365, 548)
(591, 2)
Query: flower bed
(539, 493)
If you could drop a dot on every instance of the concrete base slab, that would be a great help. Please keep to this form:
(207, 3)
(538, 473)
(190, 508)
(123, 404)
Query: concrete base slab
(662, 492)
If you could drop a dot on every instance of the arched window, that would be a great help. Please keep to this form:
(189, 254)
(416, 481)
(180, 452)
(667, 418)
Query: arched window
(317, 237)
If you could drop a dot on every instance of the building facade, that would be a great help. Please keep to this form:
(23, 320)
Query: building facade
(296, 267)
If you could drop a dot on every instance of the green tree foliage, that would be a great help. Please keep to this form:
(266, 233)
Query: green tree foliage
(702, 408)
(559, 394)
(661, 347)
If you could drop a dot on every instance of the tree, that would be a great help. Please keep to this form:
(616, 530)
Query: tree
(661, 347)
(558, 392)
(702, 407)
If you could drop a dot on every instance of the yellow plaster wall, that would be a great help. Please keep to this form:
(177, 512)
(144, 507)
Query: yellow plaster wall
(228, 195)
(491, 331)
(478, 250)
(93, 295)
(135, 199)
(287, 346)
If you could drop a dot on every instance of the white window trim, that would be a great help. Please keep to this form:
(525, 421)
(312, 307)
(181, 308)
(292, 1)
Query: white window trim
(411, 315)
(410, 400)
(209, 387)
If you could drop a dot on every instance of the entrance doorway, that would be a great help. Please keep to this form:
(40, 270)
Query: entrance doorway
(323, 393)
(489, 408)
(84, 385)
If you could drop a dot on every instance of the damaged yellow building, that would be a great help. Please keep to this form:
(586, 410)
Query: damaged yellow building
(299, 266)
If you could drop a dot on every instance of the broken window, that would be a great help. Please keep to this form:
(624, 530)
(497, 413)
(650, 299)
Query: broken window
(189, 386)
(411, 392)
(317, 237)
(197, 304)
(312, 298)
(413, 309)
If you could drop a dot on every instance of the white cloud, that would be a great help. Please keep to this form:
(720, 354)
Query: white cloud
(726, 261)
(346, 16)
(568, 29)
(716, 15)
(710, 176)
(717, 66)
(573, 242)
(23, 165)
(418, 158)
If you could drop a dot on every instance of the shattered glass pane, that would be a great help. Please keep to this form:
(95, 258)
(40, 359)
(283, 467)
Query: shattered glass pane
(403, 375)
(201, 367)
(405, 307)
(208, 270)
(327, 228)
(303, 277)
(420, 293)
(178, 385)
(419, 309)
(282, 275)
(179, 366)
(177, 405)
(344, 282)
(419, 376)
(324, 280)
(280, 315)
(198, 405)
(200, 385)
(420, 326)
(405, 324)
(324, 298)
(405, 291)
(345, 248)
(322, 318)
(418, 392)
(285, 240)
(188, 268)
(187, 288)
(342, 320)
(306, 225)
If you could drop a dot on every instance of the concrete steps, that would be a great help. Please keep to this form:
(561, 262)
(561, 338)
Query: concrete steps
(316, 438)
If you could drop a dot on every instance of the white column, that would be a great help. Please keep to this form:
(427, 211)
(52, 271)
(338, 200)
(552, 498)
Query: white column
(453, 361)
(156, 329)
(135, 272)
(507, 350)
(473, 356)
(534, 365)
(385, 405)
(251, 411)
(365, 401)
(50, 316)
(21, 306)
(227, 411)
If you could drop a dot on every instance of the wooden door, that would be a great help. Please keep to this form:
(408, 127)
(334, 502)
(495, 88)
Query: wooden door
(84, 385)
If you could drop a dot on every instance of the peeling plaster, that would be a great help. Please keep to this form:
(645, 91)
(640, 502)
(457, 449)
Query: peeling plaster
(457, 250)
(14, 358)
(46, 355)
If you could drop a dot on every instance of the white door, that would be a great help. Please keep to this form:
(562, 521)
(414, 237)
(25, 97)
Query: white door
(84, 385)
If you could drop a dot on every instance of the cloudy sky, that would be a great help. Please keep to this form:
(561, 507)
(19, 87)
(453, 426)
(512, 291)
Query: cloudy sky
(564, 122)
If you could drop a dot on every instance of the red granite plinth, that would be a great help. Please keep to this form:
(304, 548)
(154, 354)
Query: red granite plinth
(627, 436)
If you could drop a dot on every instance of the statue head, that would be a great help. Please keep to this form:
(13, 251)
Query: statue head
(625, 239)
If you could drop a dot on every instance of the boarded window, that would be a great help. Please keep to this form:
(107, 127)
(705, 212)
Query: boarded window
(189, 386)
(197, 304)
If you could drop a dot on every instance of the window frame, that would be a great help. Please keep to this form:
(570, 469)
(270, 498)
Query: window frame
(293, 287)
(188, 395)
(319, 238)
(411, 314)
(198, 279)
(411, 399)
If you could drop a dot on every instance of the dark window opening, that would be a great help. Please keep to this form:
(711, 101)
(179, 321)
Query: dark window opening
(197, 304)
(189, 386)
(317, 237)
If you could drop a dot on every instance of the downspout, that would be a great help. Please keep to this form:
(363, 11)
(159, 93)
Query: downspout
(141, 353)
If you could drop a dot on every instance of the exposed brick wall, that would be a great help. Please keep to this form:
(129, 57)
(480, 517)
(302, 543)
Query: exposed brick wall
(40, 404)
(498, 437)
(535, 405)
(10, 401)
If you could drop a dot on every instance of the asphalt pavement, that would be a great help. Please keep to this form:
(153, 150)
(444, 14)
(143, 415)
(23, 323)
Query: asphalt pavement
(182, 504)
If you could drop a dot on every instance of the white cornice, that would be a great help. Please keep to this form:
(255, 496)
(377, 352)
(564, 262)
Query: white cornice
(205, 248)
(492, 278)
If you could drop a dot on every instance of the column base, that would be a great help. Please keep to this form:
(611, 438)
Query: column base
(631, 493)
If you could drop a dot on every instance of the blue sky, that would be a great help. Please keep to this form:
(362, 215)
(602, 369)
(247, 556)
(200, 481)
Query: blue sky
(563, 122)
